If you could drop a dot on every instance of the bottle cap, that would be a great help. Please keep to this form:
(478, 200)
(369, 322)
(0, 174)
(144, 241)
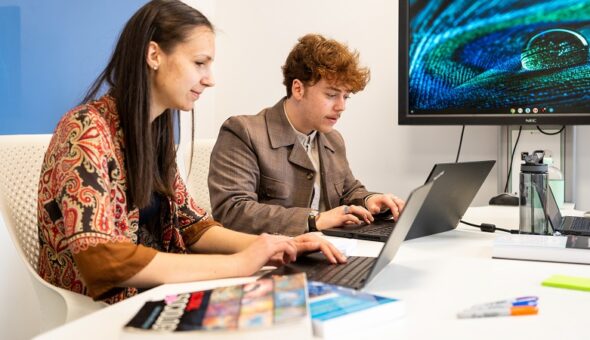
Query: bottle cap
(534, 168)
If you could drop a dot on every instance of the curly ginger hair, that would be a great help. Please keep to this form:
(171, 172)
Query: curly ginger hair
(315, 57)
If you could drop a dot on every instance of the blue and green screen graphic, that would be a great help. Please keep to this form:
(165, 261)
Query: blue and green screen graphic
(499, 56)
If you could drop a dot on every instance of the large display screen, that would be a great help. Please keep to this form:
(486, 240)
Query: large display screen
(494, 62)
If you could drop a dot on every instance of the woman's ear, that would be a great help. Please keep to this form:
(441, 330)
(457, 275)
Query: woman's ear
(153, 55)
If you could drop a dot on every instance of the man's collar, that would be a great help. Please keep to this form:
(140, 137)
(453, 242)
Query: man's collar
(281, 132)
(279, 128)
(305, 139)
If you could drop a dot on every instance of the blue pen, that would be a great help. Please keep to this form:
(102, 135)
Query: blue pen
(517, 302)
(525, 301)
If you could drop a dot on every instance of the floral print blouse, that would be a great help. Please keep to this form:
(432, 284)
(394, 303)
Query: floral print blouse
(90, 238)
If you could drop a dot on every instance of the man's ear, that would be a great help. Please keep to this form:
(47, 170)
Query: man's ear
(153, 55)
(297, 89)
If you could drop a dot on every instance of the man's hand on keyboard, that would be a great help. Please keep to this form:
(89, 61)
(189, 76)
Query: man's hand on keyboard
(343, 215)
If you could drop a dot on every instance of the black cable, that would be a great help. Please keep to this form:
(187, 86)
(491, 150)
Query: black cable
(550, 133)
(460, 144)
(490, 228)
(512, 159)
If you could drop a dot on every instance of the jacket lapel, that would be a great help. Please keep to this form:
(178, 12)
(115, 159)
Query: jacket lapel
(299, 157)
(326, 166)
(281, 134)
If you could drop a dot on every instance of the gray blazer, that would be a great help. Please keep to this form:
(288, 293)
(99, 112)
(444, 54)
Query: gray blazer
(261, 178)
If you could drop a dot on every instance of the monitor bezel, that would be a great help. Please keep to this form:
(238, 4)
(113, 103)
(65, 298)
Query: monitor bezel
(405, 118)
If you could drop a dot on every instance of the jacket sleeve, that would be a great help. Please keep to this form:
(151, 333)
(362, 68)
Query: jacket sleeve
(353, 191)
(234, 179)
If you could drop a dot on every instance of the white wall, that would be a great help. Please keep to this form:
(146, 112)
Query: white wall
(582, 168)
(253, 40)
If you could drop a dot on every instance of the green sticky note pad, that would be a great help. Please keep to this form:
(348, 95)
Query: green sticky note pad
(568, 282)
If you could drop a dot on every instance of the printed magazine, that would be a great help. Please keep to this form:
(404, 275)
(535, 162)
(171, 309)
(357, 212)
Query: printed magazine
(257, 305)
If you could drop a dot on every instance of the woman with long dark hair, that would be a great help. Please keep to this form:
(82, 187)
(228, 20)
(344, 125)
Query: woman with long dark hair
(114, 215)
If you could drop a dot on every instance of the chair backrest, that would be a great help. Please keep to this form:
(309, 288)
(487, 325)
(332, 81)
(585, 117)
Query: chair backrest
(22, 157)
(199, 171)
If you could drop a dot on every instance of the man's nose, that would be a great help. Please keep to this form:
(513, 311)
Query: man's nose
(340, 104)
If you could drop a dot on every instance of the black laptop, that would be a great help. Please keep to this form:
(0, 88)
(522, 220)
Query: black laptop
(566, 225)
(359, 270)
(445, 205)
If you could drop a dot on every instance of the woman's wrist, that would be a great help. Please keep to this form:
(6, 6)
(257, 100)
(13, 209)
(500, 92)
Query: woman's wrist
(240, 267)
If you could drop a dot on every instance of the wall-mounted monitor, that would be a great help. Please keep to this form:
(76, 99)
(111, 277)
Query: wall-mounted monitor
(494, 62)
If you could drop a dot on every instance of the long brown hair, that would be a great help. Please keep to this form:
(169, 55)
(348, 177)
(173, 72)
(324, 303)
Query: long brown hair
(149, 147)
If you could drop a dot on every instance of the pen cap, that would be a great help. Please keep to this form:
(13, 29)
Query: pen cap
(524, 310)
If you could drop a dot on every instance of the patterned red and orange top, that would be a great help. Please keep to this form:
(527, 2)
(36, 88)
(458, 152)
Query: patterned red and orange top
(90, 238)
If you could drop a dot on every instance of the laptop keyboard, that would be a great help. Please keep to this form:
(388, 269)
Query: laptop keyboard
(375, 229)
(350, 274)
(580, 224)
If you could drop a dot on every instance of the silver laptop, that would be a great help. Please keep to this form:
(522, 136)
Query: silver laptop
(359, 270)
(447, 202)
(566, 225)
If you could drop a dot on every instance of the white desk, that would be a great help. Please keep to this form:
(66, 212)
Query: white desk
(436, 276)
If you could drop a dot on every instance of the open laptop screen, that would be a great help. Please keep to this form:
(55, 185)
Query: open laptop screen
(552, 210)
(450, 196)
(414, 206)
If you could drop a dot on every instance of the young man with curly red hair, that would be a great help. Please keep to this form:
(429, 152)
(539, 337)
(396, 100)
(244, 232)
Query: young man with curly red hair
(285, 170)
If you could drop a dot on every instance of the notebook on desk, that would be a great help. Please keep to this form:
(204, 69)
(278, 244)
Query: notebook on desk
(359, 270)
(566, 225)
(445, 205)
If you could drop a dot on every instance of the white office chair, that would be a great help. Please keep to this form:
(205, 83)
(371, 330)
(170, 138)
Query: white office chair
(22, 156)
(198, 172)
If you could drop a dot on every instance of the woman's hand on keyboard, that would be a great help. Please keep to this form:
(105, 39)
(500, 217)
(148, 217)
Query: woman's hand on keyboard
(310, 242)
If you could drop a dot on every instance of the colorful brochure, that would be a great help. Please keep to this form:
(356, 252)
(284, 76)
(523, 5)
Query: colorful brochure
(259, 304)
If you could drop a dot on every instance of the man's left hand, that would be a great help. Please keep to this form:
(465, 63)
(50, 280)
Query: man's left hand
(380, 202)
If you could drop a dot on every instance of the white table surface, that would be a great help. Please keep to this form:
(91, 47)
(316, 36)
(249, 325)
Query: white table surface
(436, 276)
